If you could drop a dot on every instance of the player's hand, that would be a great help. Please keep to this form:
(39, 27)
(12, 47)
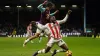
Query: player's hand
(69, 11)
(56, 11)
(44, 2)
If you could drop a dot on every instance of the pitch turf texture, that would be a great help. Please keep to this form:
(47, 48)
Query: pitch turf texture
(80, 46)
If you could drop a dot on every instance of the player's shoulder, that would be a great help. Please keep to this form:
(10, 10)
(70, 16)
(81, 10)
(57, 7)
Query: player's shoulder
(57, 21)
(47, 24)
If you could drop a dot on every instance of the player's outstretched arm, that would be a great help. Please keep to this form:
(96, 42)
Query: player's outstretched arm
(36, 24)
(54, 13)
(65, 19)
(40, 7)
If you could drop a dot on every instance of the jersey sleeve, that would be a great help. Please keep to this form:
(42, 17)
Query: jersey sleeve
(45, 27)
(40, 7)
(64, 20)
(42, 27)
(52, 14)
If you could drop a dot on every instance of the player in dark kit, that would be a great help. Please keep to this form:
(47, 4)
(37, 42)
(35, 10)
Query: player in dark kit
(45, 18)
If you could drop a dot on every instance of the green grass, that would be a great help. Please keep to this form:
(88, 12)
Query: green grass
(80, 46)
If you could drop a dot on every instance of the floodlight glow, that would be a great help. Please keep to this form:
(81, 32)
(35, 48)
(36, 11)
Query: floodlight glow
(63, 6)
(7, 6)
(18, 6)
(29, 6)
(74, 5)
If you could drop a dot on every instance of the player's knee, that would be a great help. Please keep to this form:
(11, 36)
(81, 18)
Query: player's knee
(44, 51)
(49, 44)
(63, 46)
(37, 35)
(47, 33)
(47, 49)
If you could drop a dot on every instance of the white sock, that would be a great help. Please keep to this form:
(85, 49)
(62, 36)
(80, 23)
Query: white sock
(40, 39)
(58, 51)
(41, 51)
(27, 40)
(51, 51)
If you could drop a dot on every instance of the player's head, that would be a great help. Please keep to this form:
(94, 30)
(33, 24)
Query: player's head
(30, 24)
(52, 19)
(50, 5)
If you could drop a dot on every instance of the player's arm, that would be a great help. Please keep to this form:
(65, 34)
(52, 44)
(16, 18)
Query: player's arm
(36, 24)
(40, 7)
(42, 27)
(54, 13)
(65, 19)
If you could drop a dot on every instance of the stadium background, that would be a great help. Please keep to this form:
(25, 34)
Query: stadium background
(18, 18)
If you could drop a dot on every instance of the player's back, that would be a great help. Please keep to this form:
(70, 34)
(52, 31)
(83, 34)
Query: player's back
(55, 30)
(43, 18)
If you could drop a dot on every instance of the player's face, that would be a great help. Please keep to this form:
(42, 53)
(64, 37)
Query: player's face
(53, 19)
(47, 8)
(51, 7)
(30, 24)
(48, 16)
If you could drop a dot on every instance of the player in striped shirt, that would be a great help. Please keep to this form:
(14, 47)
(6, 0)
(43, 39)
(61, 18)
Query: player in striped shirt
(55, 36)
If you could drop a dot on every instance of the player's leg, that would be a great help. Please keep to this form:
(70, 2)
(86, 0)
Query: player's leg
(47, 49)
(29, 34)
(49, 44)
(47, 33)
(68, 52)
(60, 50)
(32, 37)
(38, 31)
(64, 47)
(40, 39)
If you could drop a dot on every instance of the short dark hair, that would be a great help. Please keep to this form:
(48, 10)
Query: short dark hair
(52, 19)
(49, 4)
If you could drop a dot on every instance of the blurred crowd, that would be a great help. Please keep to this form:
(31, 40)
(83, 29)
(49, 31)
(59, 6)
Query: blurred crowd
(12, 29)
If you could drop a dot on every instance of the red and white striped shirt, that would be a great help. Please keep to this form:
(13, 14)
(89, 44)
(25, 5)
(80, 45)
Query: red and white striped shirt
(55, 30)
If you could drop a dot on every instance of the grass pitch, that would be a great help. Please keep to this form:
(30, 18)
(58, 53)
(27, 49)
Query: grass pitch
(80, 46)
